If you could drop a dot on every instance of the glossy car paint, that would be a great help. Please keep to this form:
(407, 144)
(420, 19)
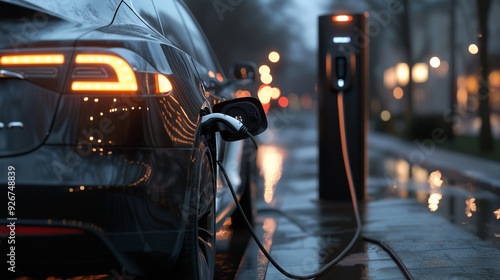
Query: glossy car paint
(118, 167)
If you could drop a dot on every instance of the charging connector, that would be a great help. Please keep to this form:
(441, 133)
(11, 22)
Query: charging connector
(229, 122)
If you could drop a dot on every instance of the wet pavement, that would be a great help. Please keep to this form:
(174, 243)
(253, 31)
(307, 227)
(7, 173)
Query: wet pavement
(440, 225)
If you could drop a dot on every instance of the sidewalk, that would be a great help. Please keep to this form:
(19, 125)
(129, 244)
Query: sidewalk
(308, 233)
(481, 172)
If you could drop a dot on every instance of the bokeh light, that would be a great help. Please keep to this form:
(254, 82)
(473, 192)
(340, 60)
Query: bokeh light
(264, 94)
(283, 101)
(306, 101)
(398, 93)
(274, 56)
(473, 49)
(293, 101)
(435, 62)
(385, 115)
(402, 74)
(266, 79)
(275, 93)
(472, 83)
(264, 70)
(420, 73)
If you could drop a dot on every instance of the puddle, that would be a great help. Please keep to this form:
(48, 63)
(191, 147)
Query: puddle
(477, 210)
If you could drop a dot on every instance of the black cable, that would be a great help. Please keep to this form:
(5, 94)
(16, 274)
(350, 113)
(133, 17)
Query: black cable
(264, 251)
(354, 203)
(382, 244)
(253, 139)
(393, 255)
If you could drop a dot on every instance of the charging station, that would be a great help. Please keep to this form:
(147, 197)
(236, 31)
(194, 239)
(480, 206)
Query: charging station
(343, 67)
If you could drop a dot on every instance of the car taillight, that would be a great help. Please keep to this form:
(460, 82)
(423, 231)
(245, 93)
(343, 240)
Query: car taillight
(122, 73)
(32, 59)
(163, 84)
(125, 77)
(45, 67)
(99, 71)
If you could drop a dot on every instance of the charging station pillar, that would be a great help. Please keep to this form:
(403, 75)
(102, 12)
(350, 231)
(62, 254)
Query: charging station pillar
(343, 66)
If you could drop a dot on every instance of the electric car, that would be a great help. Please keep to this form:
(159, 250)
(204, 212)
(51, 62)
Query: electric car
(106, 165)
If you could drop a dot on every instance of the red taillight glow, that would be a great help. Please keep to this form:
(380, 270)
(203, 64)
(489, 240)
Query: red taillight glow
(32, 59)
(342, 18)
(126, 77)
(39, 230)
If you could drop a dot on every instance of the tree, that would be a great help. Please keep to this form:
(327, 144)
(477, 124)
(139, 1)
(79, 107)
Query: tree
(485, 135)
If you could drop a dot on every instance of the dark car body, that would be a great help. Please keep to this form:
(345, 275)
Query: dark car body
(104, 179)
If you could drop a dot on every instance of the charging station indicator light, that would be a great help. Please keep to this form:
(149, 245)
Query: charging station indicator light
(341, 82)
(341, 40)
(342, 18)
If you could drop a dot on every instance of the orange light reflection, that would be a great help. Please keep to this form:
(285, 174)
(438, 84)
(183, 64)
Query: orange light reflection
(435, 180)
(435, 183)
(269, 229)
(434, 201)
(220, 78)
(270, 163)
(497, 213)
(470, 207)
(225, 232)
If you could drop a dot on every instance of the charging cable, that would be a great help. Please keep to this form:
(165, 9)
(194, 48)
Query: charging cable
(340, 101)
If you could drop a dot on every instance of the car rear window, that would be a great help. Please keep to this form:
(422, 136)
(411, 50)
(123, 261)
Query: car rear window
(83, 11)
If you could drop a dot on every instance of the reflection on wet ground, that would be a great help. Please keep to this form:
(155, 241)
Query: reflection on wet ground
(231, 243)
(474, 209)
(270, 164)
